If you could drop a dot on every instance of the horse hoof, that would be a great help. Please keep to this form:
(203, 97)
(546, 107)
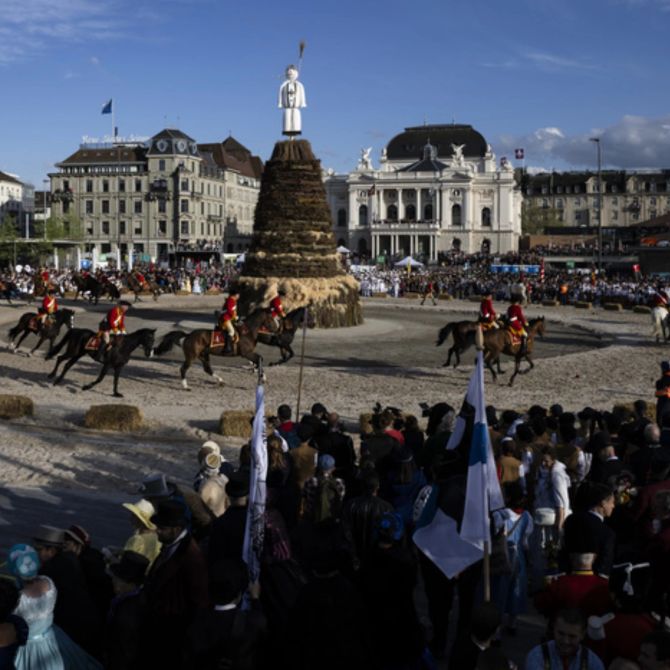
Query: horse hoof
(86, 388)
(118, 395)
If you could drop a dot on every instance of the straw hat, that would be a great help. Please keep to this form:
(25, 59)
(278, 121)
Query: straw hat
(143, 510)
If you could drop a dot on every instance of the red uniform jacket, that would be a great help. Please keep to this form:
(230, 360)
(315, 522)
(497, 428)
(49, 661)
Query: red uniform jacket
(116, 320)
(486, 310)
(660, 299)
(584, 590)
(230, 310)
(276, 307)
(516, 316)
(45, 276)
(49, 304)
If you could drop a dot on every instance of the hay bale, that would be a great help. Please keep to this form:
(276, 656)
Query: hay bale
(236, 423)
(411, 295)
(582, 304)
(183, 293)
(15, 406)
(380, 295)
(475, 298)
(69, 295)
(124, 418)
(445, 296)
(613, 306)
(213, 291)
(642, 309)
(550, 303)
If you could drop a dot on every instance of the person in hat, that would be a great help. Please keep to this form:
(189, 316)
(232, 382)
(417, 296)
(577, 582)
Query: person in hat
(277, 309)
(144, 539)
(113, 324)
(517, 322)
(175, 588)
(323, 494)
(210, 484)
(227, 531)
(75, 610)
(48, 308)
(663, 393)
(229, 317)
(487, 313)
(47, 645)
(126, 612)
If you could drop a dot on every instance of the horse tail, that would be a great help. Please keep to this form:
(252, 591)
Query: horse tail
(444, 334)
(168, 341)
(56, 350)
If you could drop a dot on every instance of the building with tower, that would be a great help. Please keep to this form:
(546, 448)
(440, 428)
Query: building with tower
(437, 188)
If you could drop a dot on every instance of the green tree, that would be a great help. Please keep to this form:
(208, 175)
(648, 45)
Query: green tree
(534, 219)
(8, 232)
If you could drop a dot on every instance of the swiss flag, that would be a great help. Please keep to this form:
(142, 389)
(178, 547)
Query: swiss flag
(518, 154)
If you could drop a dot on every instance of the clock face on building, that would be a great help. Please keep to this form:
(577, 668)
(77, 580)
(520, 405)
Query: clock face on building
(181, 145)
(194, 148)
(162, 146)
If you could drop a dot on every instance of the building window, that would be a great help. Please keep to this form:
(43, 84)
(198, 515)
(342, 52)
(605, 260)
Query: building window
(392, 213)
(66, 206)
(341, 218)
(122, 227)
(162, 206)
(105, 206)
(615, 216)
(138, 229)
(161, 165)
(122, 206)
(89, 207)
(456, 243)
(89, 186)
(559, 203)
(184, 185)
(122, 185)
(578, 202)
(105, 185)
(363, 215)
(184, 228)
(105, 228)
(486, 246)
(202, 228)
(184, 206)
(162, 227)
(410, 212)
(137, 207)
(456, 217)
(428, 212)
(652, 200)
(138, 186)
(486, 217)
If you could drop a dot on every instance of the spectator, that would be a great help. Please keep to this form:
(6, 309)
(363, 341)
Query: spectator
(227, 533)
(144, 539)
(13, 629)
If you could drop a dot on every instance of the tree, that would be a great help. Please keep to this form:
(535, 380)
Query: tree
(535, 219)
(8, 232)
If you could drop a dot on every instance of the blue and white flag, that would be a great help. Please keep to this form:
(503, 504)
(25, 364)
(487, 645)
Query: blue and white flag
(439, 539)
(253, 533)
(107, 107)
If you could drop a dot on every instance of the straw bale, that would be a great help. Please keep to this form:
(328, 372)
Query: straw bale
(582, 304)
(642, 309)
(550, 303)
(125, 418)
(411, 295)
(15, 406)
(381, 294)
(237, 423)
(445, 296)
(613, 306)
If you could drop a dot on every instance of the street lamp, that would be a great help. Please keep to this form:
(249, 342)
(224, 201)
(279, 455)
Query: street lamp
(600, 203)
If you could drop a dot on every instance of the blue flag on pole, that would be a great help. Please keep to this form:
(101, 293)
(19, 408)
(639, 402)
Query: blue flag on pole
(107, 107)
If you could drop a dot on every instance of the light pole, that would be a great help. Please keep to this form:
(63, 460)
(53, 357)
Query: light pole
(44, 208)
(600, 204)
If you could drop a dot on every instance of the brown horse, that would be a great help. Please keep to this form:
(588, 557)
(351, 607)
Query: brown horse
(464, 338)
(136, 287)
(500, 341)
(198, 344)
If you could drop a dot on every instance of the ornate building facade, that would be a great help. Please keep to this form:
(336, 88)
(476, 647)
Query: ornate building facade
(158, 198)
(437, 188)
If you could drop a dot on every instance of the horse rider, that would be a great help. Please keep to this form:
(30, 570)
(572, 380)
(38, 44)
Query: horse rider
(487, 314)
(228, 317)
(276, 307)
(140, 279)
(49, 307)
(429, 291)
(44, 275)
(113, 324)
(517, 322)
(660, 297)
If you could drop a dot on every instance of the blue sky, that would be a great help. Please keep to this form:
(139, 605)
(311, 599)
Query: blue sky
(540, 74)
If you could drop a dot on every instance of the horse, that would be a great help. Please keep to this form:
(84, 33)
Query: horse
(49, 331)
(41, 288)
(7, 287)
(283, 338)
(94, 288)
(660, 319)
(198, 344)
(464, 338)
(137, 288)
(115, 358)
(500, 341)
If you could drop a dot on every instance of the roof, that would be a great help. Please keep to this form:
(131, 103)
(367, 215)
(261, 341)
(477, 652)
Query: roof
(232, 146)
(172, 133)
(245, 164)
(93, 156)
(409, 144)
(425, 165)
(8, 177)
(662, 221)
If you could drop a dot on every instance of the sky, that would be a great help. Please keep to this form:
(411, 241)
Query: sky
(543, 75)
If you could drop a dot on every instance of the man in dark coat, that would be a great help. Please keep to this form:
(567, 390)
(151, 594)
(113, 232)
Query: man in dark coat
(585, 530)
(175, 589)
(227, 531)
(663, 393)
(340, 446)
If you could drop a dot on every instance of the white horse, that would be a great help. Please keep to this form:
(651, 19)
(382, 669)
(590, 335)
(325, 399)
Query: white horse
(660, 319)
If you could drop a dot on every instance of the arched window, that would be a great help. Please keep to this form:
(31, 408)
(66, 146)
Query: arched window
(230, 248)
(486, 246)
(428, 212)
(486, 217)
(456, 216)
(341, 218)
(410, 212)
(363, 215)
(456, 244)
(362, 246)
(392, 213)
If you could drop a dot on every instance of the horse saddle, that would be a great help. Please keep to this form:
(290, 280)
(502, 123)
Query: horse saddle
(516, 338)
(218, 338)
(34, 323)
(93, 343)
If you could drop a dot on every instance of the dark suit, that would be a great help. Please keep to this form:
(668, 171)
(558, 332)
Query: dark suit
(584, 532)
(123, 632)
(175, 590)
(226, 537)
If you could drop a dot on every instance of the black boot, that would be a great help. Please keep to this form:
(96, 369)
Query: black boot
(228, 347)
(523, 349)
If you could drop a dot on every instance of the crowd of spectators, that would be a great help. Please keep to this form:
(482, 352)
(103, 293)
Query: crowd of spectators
(584, 536)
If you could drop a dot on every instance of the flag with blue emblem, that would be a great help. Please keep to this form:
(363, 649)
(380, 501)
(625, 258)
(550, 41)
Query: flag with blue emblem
(107, 107)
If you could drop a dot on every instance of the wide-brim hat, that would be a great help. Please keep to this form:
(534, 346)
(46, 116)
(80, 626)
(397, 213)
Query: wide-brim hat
(131, 568)
(48, 536)
(77, 534)
(170, 514)
(156, 486)
(143, 510)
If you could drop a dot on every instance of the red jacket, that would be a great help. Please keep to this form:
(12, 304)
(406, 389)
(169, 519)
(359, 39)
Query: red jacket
(116, 320)
(486, 310)
(583, 590)
(49, 304)
(276, 307)
(229, 309)
(660, 299)
(516, 316)
(45, 276)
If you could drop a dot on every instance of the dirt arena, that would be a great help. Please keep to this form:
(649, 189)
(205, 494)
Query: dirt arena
(589, 357)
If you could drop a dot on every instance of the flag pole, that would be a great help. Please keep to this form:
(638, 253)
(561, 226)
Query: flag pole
(113, 114)
(302, 363)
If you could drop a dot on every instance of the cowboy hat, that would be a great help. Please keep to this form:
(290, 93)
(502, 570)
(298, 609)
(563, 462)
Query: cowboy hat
(48, 536)
(143, 510)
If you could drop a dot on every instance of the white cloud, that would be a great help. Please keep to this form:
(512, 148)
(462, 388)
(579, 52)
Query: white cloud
(94, 60)
(632, 142)
(540, 60)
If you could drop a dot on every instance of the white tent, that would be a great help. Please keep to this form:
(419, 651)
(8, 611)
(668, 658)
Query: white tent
(342, 250)
(408, 260)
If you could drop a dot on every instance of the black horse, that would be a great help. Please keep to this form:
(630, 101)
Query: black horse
(28, 323)
(94, 288)
(115, 358)
(291, 323)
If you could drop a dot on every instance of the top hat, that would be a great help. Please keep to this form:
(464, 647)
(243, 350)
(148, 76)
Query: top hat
(170, 514)
(131, 568)
(156, 486)
(48, 536)
(237, 486)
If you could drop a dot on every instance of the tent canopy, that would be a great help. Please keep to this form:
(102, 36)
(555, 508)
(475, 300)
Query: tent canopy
(342, 250)
(408, 260)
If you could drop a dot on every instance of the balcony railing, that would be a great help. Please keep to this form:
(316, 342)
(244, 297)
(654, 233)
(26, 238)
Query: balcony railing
(386, 224)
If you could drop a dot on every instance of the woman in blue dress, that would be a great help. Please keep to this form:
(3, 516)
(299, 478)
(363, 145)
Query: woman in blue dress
(47, 647)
